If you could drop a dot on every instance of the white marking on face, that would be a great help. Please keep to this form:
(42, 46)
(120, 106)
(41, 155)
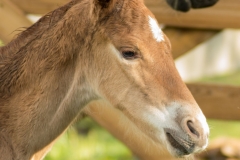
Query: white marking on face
(162, 118)
(157, 32)
(164, 115)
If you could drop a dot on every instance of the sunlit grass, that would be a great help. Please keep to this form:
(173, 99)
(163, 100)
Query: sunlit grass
(97, 144)
(1, 43)
(229, 79)
(219, 128)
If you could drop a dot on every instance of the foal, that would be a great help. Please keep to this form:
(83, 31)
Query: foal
(88, 50)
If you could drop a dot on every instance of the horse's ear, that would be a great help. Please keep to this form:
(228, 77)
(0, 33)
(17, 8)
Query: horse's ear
(106, 4)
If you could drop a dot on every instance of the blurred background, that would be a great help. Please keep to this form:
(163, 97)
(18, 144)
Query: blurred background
(206, 49)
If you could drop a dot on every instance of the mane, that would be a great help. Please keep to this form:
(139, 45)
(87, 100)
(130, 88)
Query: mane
(35, 30)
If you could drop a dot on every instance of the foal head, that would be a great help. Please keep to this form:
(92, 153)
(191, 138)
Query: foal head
(132, 68)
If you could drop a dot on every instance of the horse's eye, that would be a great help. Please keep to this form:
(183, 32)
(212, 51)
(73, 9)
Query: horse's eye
(129, 55)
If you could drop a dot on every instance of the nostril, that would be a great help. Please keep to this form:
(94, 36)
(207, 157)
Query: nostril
(192, 129)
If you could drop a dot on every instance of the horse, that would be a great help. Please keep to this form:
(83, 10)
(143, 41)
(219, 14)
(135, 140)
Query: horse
(88, 51)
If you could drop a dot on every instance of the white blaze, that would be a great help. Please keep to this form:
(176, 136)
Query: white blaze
(157, 32)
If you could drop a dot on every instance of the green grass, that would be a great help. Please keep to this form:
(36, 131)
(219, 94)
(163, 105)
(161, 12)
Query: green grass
(1, 43)
(219, 128)
(229, 79)
(97, 144)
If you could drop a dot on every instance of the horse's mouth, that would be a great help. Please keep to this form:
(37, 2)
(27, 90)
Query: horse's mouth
(183, 146)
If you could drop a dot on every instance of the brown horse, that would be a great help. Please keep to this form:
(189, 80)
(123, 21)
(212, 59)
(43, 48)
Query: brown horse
(86, 51)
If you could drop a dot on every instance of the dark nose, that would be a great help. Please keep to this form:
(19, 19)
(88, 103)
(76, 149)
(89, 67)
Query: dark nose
(195, 131)
(192, 129)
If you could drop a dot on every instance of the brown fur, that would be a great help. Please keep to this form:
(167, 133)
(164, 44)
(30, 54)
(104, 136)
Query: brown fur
(67, 60)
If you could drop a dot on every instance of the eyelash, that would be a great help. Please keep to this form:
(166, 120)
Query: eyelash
(129, 55)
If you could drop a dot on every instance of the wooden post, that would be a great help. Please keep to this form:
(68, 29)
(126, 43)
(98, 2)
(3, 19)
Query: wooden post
(225, 14)
(217, 101)
(183, 40)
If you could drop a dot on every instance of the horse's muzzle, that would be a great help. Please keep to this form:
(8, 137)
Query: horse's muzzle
(190, 138)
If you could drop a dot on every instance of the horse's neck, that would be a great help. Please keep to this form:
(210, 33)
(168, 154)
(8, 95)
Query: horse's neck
(43, 86)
